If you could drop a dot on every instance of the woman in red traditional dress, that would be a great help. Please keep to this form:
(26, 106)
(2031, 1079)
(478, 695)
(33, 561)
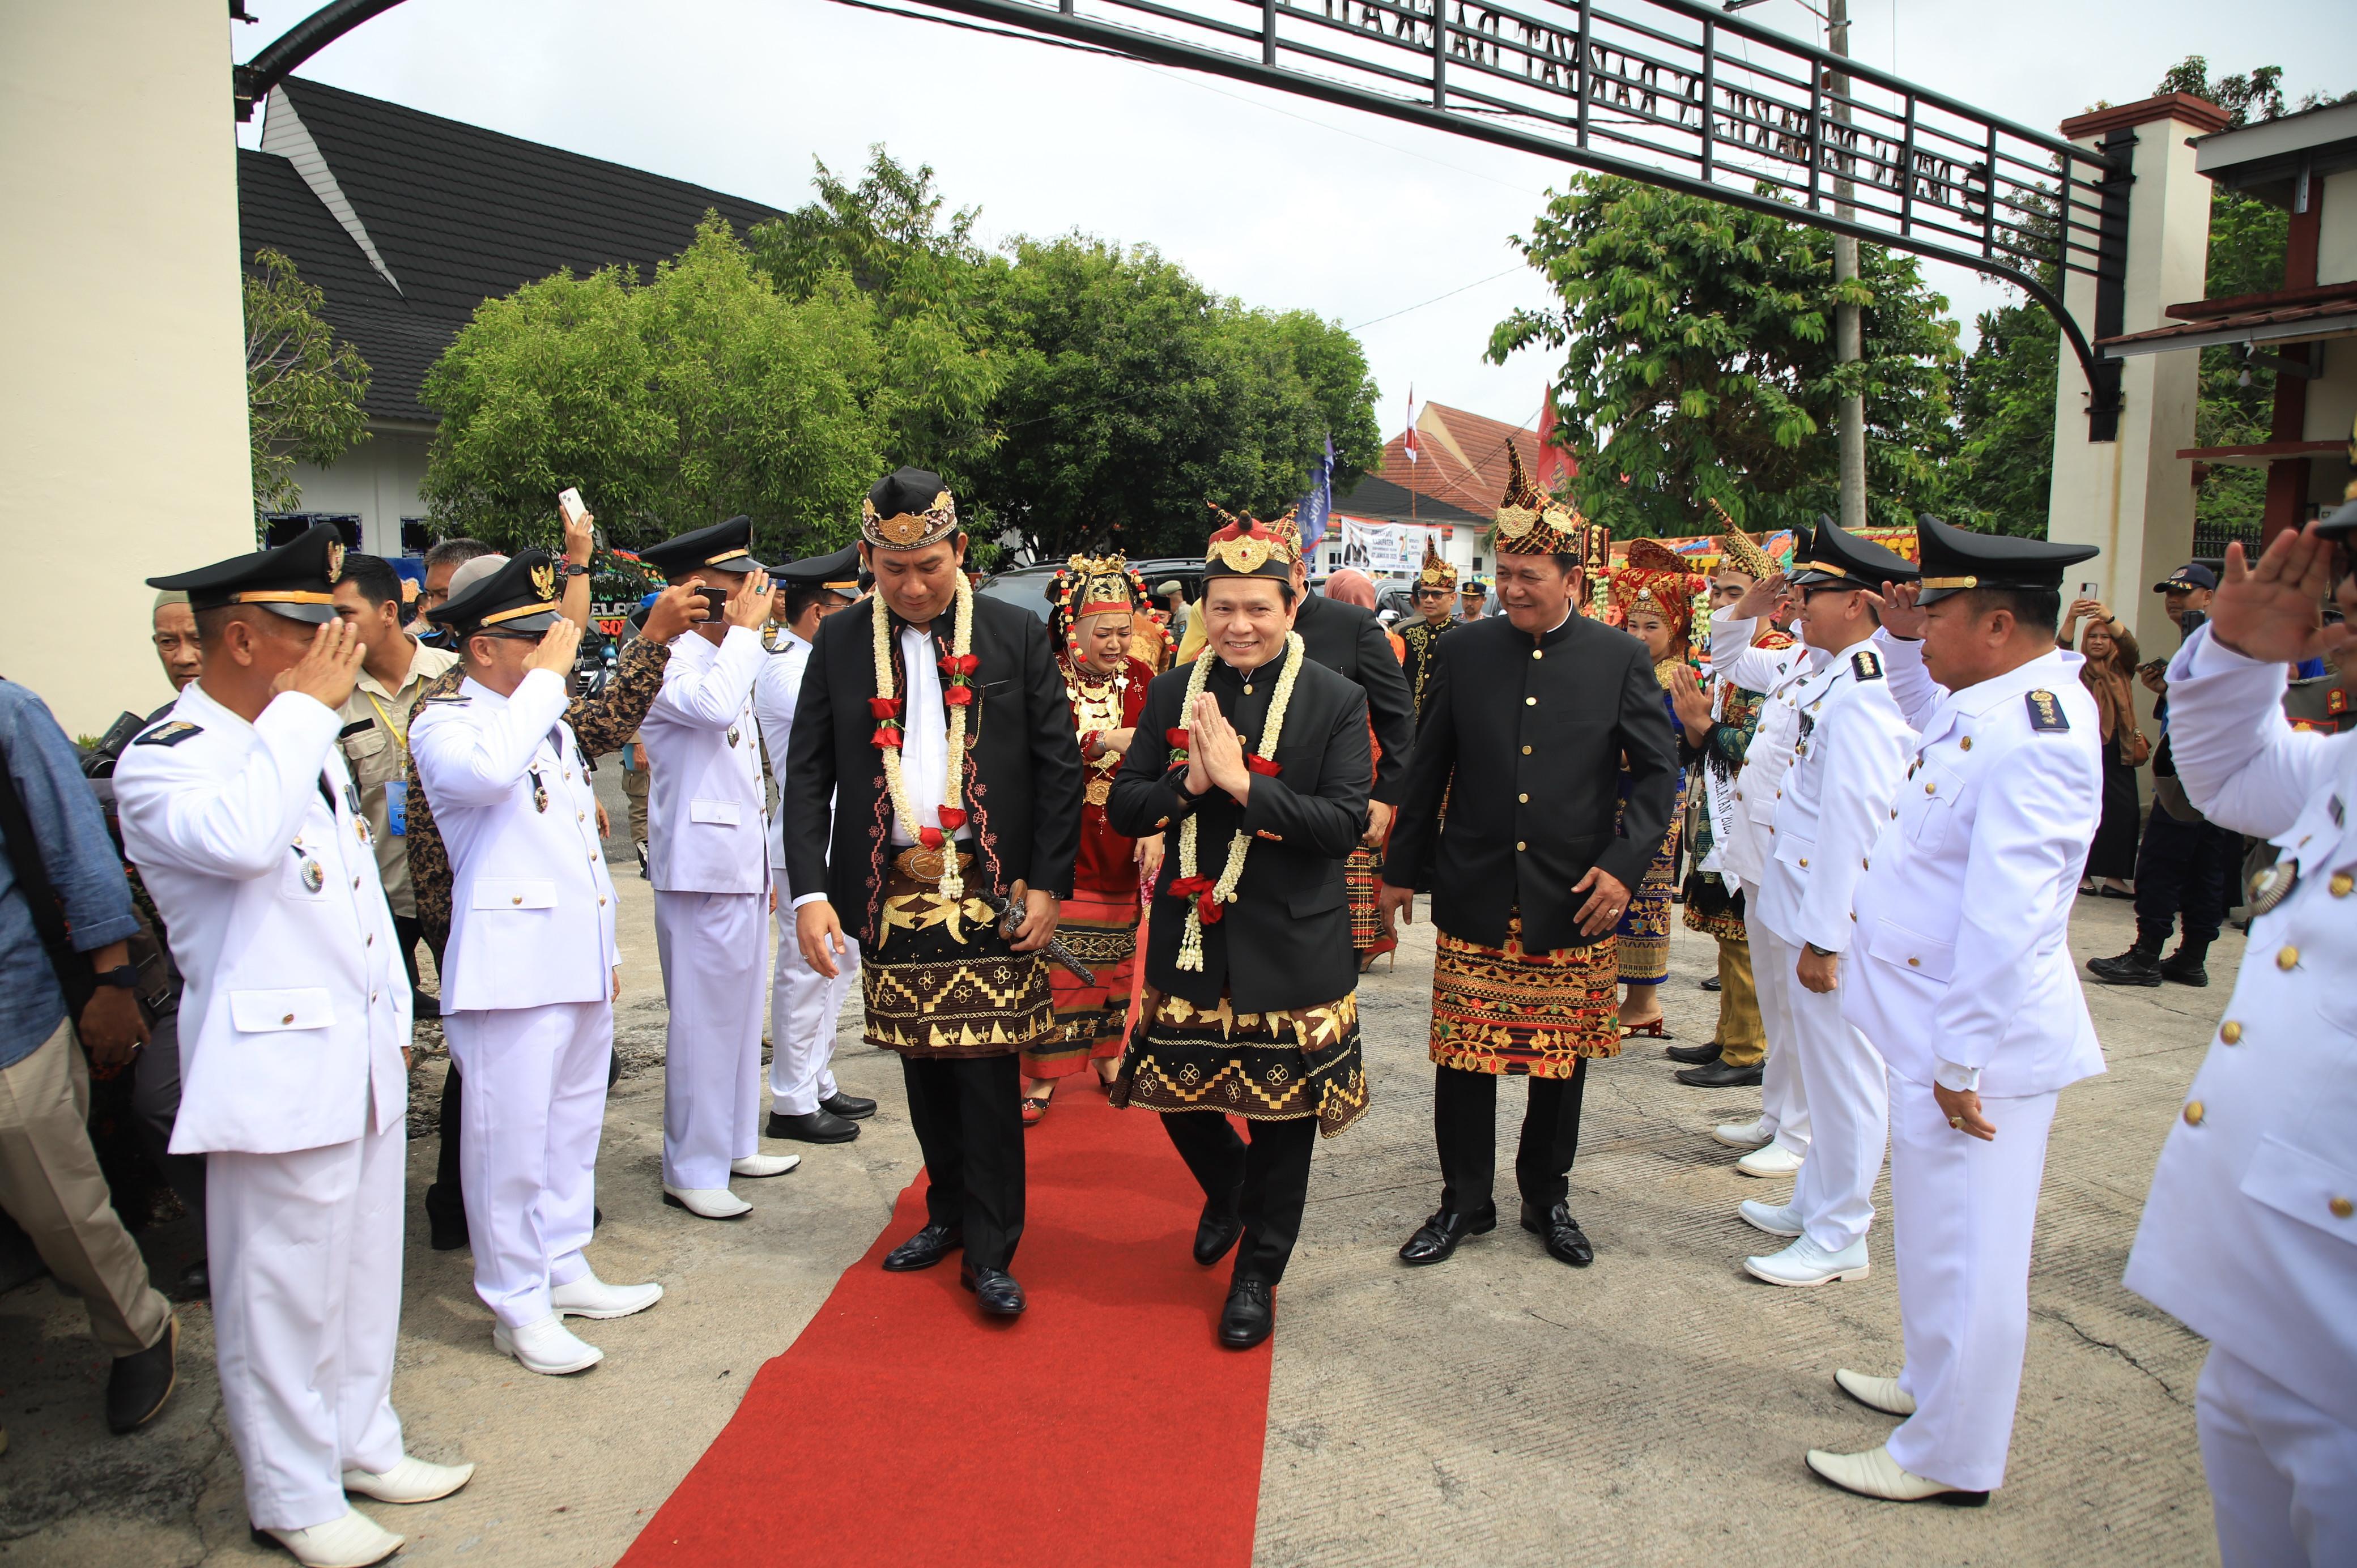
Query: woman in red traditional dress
(1098, 605)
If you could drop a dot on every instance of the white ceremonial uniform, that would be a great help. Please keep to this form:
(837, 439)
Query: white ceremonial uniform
(527, 979)
(803, 1003)
(2250, 1235)
(292, 1085)
(1830, 808)
(708, 858)
(1960, 974)
(1778, 673)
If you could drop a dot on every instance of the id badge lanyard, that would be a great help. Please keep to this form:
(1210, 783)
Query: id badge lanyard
(396, 791)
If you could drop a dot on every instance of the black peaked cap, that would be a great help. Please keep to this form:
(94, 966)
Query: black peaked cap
(723, 547)
(839, 571)
(296, 579)
(1956, 559)
(1833, 554)
(521, 596)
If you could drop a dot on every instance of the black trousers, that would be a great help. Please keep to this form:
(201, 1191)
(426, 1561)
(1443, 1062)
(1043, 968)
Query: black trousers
(156, 1103)
(1264, 1182)
(967, 1113)
(1465, 1126)
(408, 931)
(2182, 873)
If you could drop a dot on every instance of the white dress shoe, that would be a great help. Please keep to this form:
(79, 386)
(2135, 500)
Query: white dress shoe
(1875, 1393)
(707, 1202)
(1875, 1474)
(1743, 1134)
(1777, 1220)
(1804, 1263)
(764, 1165)
(354, 1540)
(409, 1481)
(1769, 1160)
(546, 1345)
(590, 1297)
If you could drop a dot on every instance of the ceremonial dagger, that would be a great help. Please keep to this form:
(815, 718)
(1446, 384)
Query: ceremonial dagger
(1010, 920)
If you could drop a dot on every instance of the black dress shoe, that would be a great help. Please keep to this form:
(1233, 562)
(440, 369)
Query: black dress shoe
(1565, 1239)
(819, 1126)
(141, 1382)
(424, 1006)
(1693, 1055)
(1215, 1232)
(2136, 966)
(925, 1249)
(1249, 1317)
(446, 1218)
(1711, 984)
(1437, 1238)
(1720, 1075)
(195, 1284)
(994, 1289)
(2184, 971)
(850, 1107)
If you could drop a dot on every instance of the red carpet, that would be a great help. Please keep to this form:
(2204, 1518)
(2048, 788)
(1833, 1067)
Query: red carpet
(904, 1428)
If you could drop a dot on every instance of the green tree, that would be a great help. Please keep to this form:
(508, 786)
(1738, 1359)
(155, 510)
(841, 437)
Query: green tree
(1132, 396)
(1698, 362)
(670, 403)
(303, 389)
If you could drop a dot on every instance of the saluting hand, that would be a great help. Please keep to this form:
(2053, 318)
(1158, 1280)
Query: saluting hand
(2274, 610)
(557, 646)
(327, 673)
(1901, 616)
(1762, 599)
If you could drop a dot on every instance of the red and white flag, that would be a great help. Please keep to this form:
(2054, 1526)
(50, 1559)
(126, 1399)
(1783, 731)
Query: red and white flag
(1408, 447)
(1554, 464)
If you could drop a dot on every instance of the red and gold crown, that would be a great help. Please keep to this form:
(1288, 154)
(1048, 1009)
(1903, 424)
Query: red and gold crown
(1530, 523)
(1093, 585)
(1437, 571)
(1246, 547)
(1653, 576)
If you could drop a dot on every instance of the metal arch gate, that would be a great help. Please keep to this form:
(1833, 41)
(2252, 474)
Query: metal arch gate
(1669, 93)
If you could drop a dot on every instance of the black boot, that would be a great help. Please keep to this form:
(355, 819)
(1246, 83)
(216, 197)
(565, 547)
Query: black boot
(2185, 965)
(2141, 966)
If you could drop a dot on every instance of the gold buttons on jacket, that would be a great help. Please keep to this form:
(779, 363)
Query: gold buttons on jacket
(2231, 1032)
(2193, 1114)
(1519, 846)
(2288, 957)
(1932, 787)
(1526, 751)
(601, 903)
(2342, 884)
(1965, 744)
(288, 1019)
(1914, 964)
(1538, 653)
(1804, 862)
(2341, 1208)
(1526, 800)
(517, 899)
(1530, 702)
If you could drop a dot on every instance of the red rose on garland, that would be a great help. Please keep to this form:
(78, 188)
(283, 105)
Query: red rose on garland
(960, 664)
(885, 739)
(958, 696)
(883, 707)
(952, 817)
(1261, 765)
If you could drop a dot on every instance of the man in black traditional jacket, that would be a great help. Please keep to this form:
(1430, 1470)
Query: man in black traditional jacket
(1254, 762)
(943, 741)
(1436, 605)
(1526, 721)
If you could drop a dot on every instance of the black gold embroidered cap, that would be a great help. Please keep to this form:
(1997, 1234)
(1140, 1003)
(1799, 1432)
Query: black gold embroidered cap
(907, 509)
(837, 573)
(1954, 560)
(296, 579)
(519, 596)
(723, 547)
(1246, 547)
(1835, 557)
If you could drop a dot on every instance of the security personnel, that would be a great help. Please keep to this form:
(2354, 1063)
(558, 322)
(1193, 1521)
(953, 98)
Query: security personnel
(805, 1102)
(245, 825)
(529, 971)
(1849, 757)
(1962, 977)
(2250, 1236)
(708, 859)
(1779, 1140)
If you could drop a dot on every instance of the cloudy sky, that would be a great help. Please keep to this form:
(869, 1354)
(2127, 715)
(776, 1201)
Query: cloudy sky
(1280, 202)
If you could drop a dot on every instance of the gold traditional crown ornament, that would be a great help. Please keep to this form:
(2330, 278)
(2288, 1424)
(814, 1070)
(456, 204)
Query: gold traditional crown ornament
(910, 531)
(1529, 523)
(334, 563)
(1436, 572)
(1246, 547)
(1740, 550)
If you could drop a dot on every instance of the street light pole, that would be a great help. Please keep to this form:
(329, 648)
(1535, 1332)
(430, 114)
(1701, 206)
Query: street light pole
(1848, 336)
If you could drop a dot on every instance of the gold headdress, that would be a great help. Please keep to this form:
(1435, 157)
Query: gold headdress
(1437, 572)
(1246, 547)
(1653, 576)
(1741, 552)
(1529, 523)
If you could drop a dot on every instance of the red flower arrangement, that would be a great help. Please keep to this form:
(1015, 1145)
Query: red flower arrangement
(1199, 888)
(1261, 765)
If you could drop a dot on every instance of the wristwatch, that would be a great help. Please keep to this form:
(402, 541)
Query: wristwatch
(568, 569)
(1821, 953)
(123, 977)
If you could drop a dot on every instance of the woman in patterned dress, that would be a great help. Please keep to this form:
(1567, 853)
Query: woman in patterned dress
(1098, 605)
(1653, 592)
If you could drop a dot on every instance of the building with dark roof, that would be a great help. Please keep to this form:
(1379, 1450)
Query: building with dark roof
(407, 221)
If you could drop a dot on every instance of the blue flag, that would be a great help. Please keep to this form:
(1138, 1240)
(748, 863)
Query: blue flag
(1312, 509)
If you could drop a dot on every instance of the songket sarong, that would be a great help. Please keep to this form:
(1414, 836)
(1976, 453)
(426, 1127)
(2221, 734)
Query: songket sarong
(1710, 908)
(1644, 932)
(939, 986)
(1102, 930)
(1507, 1011)
(1359, 875)
(1263, 1067)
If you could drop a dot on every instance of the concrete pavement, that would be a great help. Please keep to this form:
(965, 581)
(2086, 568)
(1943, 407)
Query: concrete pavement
(1499, 1409)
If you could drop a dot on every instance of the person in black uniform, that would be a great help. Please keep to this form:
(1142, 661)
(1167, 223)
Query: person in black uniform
(1259, 784)
(1435, 603)
(1525, 722)
(933, 734)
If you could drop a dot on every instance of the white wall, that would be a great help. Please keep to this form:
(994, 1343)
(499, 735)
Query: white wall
(377, 479)
(122, 369)
(2336, 238)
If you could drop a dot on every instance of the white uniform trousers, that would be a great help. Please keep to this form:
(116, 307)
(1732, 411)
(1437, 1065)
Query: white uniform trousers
(2283, 1474)
(712, 946)
(1784, 1097)
(534, 1107)
(804, 1007)
(305, 1250)
(1961, 1214)
(1849, 1114)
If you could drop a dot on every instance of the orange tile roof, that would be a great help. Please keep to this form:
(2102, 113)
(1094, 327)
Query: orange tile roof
(1461, 458)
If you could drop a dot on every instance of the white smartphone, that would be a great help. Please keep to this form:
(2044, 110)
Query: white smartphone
(568, 501)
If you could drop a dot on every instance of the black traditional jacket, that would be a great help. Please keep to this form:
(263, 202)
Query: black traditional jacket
(1022, 782)
(1350, 642)
(1421, 637)
(1285, 942)
(1522, 736)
